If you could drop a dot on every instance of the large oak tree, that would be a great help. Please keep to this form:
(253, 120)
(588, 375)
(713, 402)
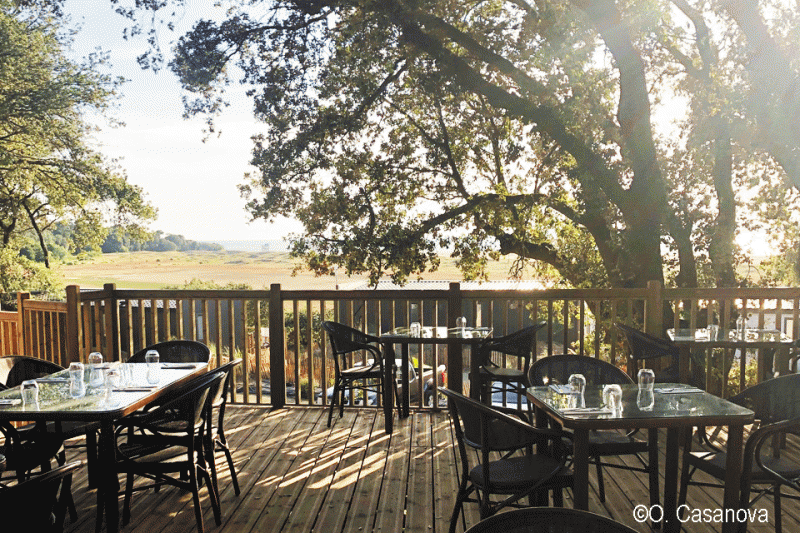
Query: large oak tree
(611, 141)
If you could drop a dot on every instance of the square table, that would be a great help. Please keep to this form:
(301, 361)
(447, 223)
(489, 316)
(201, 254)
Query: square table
(674, 411)
(56, 404)
(456, 337)
(686, 338)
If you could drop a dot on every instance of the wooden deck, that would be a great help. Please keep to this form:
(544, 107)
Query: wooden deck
(297, 475)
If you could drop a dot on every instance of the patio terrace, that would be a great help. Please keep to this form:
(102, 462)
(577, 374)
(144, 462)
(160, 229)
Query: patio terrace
(297, 475)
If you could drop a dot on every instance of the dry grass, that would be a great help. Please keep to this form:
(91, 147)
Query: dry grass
(155, 270)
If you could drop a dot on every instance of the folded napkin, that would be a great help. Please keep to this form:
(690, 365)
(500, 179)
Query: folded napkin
(587, 411)
(11, 401)
(562, 389)
(679, 390)
(178, 366)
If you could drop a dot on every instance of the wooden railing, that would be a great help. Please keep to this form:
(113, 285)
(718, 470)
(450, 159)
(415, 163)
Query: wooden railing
(38, 329)
(286, 358)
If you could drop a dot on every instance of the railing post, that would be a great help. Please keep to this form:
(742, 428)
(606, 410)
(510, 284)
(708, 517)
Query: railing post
(111, 322)
(654, 309)
(277, 370)
(455, 359)
(74, 331)
(22, 327)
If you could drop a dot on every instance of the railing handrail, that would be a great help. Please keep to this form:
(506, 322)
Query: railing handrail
(579, 319)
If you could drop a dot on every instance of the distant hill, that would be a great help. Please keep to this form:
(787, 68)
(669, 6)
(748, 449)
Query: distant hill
(274, 245)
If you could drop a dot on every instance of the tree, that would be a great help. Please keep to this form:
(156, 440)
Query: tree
(48, 172)
(398, 128)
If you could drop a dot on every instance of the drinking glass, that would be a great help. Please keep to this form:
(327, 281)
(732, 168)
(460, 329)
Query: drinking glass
(647, 379)
(577, 383)
(112, 379)
(646, 399)
(96, 375)
(461, 322)
(77, 386)
(416, 329)
(125, 375)
(30, 392)
(612, 397)
(153, 367)
(713, 332)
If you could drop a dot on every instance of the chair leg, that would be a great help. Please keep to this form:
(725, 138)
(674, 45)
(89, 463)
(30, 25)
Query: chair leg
(198, 513)
(126, 507)
(334, 399)
(459, 505)
(91, 458)
(778, 520)
(601, 486)
(224, 445)
(213, 494)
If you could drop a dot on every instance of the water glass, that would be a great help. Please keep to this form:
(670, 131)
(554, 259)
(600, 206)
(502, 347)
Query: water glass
(112, 379)
(612, 397)
(415, 330)
(647, 379)
(125, 375)
(645, 400)
(461, 323)
(96, 375)
(153, 367)
(577, 383)
(30, 392)
(77, 386)
(713, 332)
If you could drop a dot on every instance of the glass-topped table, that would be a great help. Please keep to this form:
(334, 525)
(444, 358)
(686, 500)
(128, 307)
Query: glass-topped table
(455, 337)
(56, 404)
(750, 338)
(672, 409)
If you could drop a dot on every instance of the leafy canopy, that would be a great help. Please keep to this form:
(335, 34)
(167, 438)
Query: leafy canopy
(49, 173)
(606, 142)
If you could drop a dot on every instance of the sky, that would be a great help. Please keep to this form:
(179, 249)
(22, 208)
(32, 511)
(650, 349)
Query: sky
(192, 184)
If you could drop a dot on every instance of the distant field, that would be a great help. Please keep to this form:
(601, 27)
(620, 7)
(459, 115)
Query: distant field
(154, 270)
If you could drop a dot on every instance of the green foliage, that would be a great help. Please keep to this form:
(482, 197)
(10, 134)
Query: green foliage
(48, 172)
(20, 274)
(533, 130)
(120, 240)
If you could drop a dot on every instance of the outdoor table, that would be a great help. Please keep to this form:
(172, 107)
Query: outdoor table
(454, 337)
(673, 411)
(56, 404)
(686, 338)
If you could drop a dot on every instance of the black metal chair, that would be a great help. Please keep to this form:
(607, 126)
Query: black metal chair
(487, 430)
(14, 369)
(776, 404)
(494, 378)
(35, 504)
(645, 347)
(215, 434)
(367, 376)
(177, 351)
(548, 520)
(555, 370)
(162, 445)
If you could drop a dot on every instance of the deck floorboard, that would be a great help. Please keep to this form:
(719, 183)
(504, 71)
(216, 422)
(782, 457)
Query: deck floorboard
(298, 475)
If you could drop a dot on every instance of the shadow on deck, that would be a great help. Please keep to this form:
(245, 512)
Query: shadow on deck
(297, 475)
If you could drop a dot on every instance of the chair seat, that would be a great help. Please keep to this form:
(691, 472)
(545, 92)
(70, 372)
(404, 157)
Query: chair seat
(714, 464)
(509, 476)
(156, 457)
(499, 373)
(32, 453)
(360, 372)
